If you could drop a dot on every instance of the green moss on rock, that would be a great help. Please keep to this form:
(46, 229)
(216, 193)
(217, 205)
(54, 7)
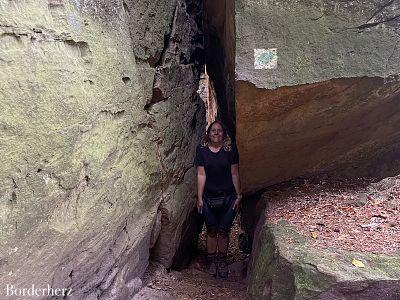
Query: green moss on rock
(286, 265)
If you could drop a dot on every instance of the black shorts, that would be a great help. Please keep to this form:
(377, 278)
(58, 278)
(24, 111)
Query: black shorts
(220, 219)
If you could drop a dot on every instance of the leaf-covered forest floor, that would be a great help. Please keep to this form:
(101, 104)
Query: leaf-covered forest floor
(357, 215)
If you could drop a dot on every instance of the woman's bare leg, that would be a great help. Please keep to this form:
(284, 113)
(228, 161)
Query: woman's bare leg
(212, 246)
(223, 243)
(212, 242)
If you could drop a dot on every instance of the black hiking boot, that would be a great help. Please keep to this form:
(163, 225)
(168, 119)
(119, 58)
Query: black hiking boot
(222, 265)
(212, 264)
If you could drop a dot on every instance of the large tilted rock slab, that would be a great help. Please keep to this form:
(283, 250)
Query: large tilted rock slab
(88, 159)
(286, 266)
(324, 95)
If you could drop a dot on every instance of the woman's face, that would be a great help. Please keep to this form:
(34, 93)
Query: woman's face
(216, 133)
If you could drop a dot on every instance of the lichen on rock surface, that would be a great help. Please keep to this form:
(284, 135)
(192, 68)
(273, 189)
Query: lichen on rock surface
(82, 177)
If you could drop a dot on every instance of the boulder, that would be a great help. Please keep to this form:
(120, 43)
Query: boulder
(286, 266)
(317, 89)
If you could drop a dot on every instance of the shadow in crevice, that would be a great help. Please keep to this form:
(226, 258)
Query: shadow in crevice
(188, 248)
(219, 25)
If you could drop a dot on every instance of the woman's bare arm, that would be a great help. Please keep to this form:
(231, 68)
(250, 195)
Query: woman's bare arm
(236, 183)
(201, 182)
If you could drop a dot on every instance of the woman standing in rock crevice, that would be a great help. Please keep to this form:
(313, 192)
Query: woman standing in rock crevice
(218, 193)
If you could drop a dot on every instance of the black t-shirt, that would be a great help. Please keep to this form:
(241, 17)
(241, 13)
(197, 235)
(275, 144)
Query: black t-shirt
(218, 168)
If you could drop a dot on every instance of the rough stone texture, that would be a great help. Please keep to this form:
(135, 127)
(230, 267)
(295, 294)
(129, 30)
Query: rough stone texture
(317, 41)
(88, 159)
(176, 106)
(332, 103)
(285, 266)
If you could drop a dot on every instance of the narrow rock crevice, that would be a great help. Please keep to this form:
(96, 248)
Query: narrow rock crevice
(216, 85)
(101, 116)
(219, 23)
(380, 9)
(215, 49)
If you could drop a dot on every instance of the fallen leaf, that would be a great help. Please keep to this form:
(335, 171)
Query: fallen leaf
(376, 202)
(358, 263)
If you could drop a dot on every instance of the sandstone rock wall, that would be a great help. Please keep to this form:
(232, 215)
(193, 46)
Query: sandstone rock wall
(99, 120)
(180, 121)
(324, 95)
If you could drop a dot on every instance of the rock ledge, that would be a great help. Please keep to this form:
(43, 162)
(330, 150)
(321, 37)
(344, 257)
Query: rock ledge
(286, 266)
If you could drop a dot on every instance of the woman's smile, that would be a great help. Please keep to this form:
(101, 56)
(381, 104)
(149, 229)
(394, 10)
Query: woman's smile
(217, 136)
(216, 133)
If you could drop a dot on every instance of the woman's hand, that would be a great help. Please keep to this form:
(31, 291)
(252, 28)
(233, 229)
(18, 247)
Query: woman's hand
(200, 205)
(237, 201)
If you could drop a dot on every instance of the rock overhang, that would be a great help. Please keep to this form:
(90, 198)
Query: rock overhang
(317, 89)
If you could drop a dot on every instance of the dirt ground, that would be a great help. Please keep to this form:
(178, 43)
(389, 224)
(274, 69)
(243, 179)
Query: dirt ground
(194, 283)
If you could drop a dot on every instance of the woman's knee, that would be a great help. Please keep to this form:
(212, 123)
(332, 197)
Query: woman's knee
(212, 232)
(223, 233)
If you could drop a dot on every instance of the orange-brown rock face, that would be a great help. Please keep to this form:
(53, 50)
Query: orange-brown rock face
(317, 89)
(345, 125)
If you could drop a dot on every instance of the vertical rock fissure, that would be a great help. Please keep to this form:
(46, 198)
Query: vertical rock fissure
(218, 40)
(219, 24)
